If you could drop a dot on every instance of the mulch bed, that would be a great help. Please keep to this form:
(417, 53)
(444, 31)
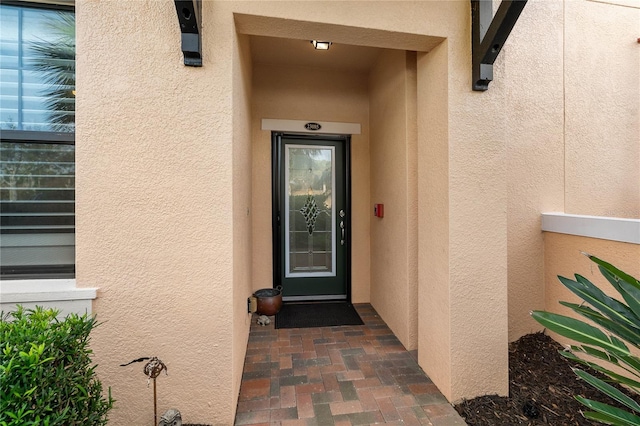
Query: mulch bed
(541, 389)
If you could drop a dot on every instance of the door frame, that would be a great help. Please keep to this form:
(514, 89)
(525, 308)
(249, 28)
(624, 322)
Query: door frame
(276, 198)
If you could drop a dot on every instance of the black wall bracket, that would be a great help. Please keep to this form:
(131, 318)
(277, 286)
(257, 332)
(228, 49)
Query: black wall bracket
(488, 35)
(190, 19)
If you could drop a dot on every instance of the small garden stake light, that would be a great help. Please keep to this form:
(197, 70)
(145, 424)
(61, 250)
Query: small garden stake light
(152, 370)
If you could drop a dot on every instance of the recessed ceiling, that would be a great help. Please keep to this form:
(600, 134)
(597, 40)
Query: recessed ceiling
(291, 52)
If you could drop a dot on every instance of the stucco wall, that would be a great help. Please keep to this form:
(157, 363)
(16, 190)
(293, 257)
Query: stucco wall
(434, 318)
(393, 175)
(573, 84)
(477, 222)
(299, 93)
(163, 164)
(154, 206)
(242, 232)
(563, 256)
(602, 109)
(476, 228)
(533, 60)
(601, 143)
(477, 251)
(475, 173)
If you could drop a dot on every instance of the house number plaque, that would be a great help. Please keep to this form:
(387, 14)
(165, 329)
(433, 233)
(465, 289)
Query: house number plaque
(313, 126)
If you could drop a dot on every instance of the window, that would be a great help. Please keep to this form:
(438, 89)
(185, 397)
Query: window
(37, 151)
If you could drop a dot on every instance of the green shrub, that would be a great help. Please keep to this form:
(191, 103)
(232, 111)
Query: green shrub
(46, 376)
(622, 322)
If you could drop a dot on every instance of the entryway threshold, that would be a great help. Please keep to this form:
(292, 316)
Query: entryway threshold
(346, 375)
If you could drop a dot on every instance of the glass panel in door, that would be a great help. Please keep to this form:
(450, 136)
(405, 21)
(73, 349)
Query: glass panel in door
(310, 211)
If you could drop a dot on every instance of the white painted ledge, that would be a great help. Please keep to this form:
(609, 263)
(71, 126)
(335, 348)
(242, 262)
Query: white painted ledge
(59, 294)
(604, 228)
(298, 126)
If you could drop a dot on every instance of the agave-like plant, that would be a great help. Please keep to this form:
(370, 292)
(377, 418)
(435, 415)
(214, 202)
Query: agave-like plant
(621, 324)
(55, 60)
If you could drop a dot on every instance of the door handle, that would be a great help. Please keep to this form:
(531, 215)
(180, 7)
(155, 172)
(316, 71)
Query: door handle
(342, 214)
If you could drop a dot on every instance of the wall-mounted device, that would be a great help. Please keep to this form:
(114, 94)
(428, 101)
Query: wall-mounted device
(378, 210)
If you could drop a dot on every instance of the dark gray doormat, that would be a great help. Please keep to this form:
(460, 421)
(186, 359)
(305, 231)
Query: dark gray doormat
(319, 314)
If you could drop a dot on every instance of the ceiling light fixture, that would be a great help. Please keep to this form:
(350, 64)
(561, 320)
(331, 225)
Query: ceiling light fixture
(321, 45)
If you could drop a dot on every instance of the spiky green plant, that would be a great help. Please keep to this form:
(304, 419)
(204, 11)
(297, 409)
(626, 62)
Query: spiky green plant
(55, 60)
(602, 349)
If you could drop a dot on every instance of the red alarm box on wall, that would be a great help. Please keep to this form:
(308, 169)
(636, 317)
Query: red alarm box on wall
(378, 210)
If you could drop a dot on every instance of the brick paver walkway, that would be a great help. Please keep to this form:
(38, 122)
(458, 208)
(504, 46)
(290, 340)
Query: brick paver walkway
(351, 375)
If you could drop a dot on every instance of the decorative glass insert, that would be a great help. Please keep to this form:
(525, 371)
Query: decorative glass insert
(310, 212)
(310, 220)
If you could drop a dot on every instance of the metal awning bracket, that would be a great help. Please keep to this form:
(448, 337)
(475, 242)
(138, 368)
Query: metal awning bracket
(190, 20)
(488, 35)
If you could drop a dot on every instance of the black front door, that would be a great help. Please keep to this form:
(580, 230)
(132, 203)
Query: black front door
(311, 216)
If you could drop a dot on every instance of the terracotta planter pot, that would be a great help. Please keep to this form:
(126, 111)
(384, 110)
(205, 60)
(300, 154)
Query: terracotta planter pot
(269, 300)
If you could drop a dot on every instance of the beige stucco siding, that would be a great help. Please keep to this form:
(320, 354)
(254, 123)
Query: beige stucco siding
(535, 152)
(564, 257)
(393, 154)
(574, 141)
(173, 178)
(242, 232)
(154, 206)
(434, 319)
(602, 92)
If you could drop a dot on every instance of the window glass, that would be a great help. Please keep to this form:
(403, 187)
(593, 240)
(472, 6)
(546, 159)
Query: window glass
(38, 221)
(37, 151)
(37, 69)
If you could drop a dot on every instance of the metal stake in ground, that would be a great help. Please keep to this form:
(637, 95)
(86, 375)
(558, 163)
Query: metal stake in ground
(152, 370)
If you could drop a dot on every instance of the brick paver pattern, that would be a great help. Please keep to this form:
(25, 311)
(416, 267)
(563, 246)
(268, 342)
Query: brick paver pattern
(349, 375)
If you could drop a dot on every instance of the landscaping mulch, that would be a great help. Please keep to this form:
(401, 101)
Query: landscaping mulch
(541, 389)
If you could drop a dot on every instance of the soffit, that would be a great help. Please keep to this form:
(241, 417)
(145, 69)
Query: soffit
(300, 53)
(356, 36)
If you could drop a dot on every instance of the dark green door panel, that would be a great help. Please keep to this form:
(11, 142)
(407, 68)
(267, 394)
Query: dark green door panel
(311, 216)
